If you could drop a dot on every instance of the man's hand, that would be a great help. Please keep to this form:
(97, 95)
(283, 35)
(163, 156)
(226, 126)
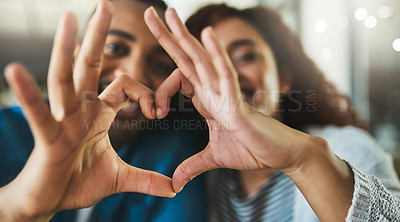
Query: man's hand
(73, 164)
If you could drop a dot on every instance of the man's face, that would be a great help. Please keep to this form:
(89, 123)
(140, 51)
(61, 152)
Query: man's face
(132, 50)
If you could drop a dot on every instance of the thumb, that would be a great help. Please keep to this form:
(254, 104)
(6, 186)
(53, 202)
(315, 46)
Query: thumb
(192, 167)
(133, 179)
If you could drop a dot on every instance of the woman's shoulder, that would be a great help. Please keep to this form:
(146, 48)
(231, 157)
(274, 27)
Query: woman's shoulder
(354, 145)
(341, 134)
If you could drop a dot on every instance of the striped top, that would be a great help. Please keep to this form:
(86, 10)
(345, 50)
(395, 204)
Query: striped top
(273, 202)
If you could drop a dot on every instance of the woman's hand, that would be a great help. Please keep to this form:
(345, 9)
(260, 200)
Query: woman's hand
(240, 137)
(73, 164)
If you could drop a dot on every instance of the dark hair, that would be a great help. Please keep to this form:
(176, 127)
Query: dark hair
(330, 107)
(157, 3)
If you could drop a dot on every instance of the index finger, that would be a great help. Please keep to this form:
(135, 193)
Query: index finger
(59, 80)
(123, 89)
(88, 64)
(170, 44)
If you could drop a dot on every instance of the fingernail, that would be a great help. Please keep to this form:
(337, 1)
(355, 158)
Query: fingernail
(98, 7)
(8, 68)
(159, 112)
(210, 30)
(11, 68)
(153, 10)
(173, 10)
(180, 189)
(104, 5)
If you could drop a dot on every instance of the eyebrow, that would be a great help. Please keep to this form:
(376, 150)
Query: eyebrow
(122, 34)
(238, 43)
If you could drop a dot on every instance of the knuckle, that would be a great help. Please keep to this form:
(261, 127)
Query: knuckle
(122, 78)
(92, 63)
(200, 59)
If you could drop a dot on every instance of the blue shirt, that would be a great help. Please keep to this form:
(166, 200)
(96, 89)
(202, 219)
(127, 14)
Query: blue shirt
(160, 148)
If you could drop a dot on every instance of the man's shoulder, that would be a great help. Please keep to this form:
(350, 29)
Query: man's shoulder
(12, 111)
(12, 117)
(16, 143)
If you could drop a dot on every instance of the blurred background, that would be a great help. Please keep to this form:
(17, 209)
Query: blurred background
(355, 42)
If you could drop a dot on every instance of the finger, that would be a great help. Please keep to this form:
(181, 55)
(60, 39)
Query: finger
(219, 55)
(60, 84)
(77, 49)
(88, 63)
(192, 167)
(193, 49)
(169, 43)
(228, 77)
(42, 124)
(132, 179)
(174, 83)
(123, 89)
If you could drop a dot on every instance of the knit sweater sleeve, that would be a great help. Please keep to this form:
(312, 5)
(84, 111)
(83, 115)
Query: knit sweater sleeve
(371, 200)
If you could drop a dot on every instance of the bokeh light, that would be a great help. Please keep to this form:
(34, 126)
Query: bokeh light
(360, 14)
(396, 45)
(370, 22)
(385, 12)
(321, 26)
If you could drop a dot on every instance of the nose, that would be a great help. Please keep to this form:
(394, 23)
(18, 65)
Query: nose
(134, 66)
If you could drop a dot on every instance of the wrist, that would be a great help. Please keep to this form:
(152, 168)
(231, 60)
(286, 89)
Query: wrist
(325, 180)
(309, 153)
(11, 209)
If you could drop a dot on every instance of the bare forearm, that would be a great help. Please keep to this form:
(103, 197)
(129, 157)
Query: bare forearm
(7, 207)
(11, 210)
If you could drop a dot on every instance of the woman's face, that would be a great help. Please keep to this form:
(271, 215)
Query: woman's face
(131, 49)
(255, 63)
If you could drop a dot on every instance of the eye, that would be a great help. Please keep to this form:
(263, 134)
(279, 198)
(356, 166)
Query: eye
(115, 50)
(161, 67)
(243, 58)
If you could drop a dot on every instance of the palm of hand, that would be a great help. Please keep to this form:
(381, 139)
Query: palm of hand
(229, 152)
(97, 169)
(99, 172)
(223, 149)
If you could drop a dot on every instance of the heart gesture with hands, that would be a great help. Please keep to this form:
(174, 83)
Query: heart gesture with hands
(73, 164)
(240, 136)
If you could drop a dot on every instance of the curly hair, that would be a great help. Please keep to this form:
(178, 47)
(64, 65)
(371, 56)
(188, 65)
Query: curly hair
(157, 3)
(329, 106)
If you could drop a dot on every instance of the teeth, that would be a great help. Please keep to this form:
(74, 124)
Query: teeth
(130, 106)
